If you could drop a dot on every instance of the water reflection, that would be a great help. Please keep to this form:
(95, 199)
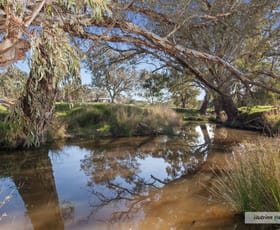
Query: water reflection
(120, 183)
(32, 176)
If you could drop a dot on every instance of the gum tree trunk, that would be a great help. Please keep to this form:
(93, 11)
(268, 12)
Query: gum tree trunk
(225, 108)
(38, 107)
(205, 103)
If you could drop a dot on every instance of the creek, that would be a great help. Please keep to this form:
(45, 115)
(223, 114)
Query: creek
(157, 182)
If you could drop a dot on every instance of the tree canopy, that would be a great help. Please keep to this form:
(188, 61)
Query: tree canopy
(225, 45)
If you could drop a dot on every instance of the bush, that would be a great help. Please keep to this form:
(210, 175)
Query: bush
(124, 120)
(252, 182)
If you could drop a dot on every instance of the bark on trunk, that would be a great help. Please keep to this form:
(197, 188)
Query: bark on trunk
(38, 105)
(225, 108)
(205, 133)
(204, 105)
(184, 101)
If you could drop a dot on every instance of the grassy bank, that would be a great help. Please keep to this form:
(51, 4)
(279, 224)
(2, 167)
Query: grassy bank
(260, 118)
(98, 119)
(255, 109)
(251, 180)
(91, 120)
(191, 114)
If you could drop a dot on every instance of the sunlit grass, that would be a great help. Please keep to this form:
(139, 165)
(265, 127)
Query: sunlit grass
(3, 108)
(251, 180)
(255, 109)
(191, 114)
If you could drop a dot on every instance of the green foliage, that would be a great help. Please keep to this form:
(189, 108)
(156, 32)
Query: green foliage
(109, 73)
(54, 60)
(12, 83)
(16, 123)
(153, 86)
(264, 97)
(3, 109)
(3, 130)
(182, 88)
(97, 7)
(30, 117)
(54, 55)
(191, 114)
(125, 120)
(251, 180)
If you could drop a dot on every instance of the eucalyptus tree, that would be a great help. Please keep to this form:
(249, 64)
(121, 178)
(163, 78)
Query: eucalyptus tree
(111, 73)
(222, 43)
(183, 89)
(153, 86)
(219, 42)
(40, 25)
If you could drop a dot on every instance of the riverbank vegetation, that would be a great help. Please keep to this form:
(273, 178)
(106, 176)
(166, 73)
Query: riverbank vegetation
(235, 64)
(260, 118)
(93, 120)
(119, 120)
(251, 179)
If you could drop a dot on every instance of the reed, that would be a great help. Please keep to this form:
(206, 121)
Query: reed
(251, 180)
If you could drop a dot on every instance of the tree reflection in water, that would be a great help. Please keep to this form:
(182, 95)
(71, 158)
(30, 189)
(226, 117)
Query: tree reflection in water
(32, 175)
(123, 176)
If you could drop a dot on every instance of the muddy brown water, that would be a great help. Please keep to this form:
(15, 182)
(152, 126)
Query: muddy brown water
(128, 183)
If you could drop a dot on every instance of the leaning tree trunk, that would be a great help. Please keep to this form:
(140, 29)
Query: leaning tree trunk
(183, 101)
(53, 60)
(225, 108)
(31, 116)
(204, 105)
(39, 107)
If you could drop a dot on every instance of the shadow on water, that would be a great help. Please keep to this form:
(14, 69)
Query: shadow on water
(127, 183)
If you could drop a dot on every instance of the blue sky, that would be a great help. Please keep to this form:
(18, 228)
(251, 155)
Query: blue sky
(86, 75)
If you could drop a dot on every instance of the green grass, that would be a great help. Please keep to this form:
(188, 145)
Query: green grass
(191, 114)
(3, 108)
(91, 120)
(255, 109)
(251, 180)
(268, 115)
(3, 112)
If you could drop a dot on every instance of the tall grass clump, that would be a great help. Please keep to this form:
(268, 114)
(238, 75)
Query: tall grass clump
(164, 117)
(124, 120)
(251, 180)
(121, 120)
(137, 121)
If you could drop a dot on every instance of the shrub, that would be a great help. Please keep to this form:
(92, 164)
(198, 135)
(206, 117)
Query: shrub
(124, 120)
(252, 180)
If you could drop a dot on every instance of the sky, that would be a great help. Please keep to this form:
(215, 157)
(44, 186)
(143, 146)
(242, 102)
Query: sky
(86, 75)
